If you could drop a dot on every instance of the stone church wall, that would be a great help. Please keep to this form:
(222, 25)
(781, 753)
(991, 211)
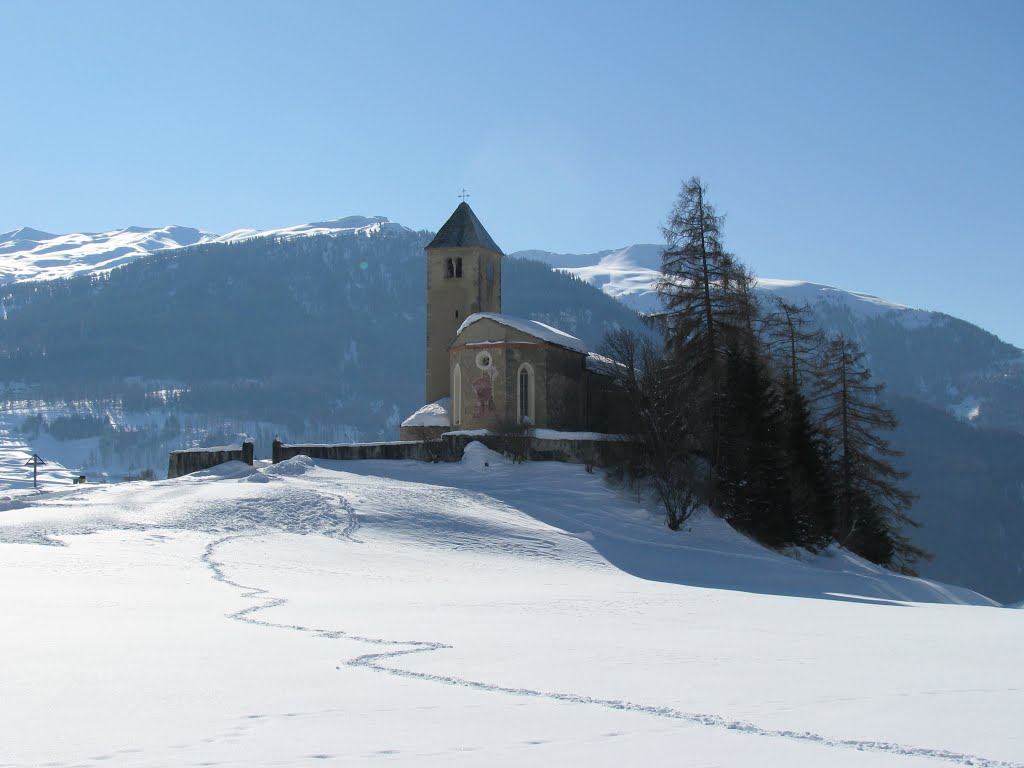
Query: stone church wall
(490, 393)
(564, 383)
(416, 450)
(450, 300)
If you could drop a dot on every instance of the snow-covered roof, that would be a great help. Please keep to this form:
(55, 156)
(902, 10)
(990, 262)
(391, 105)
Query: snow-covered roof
(601, 364)
(430, 415)
(533, 328)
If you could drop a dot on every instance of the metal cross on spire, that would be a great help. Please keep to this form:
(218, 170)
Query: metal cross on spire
(463, 195)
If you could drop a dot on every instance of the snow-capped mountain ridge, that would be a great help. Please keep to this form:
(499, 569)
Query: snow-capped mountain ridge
(31, 254)
(359, 225)
(631, 274)
(628, 274)
(323, 321)
(25, 234)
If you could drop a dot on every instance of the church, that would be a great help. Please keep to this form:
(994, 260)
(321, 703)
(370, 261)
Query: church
(487, 370)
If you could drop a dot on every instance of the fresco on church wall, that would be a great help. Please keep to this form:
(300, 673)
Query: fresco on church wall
(484, 388)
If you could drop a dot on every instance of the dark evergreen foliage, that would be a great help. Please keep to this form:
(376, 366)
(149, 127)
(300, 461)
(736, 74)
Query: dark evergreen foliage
(869, 500)
(774, 467)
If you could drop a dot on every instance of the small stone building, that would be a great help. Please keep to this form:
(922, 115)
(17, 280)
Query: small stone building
(486, 370)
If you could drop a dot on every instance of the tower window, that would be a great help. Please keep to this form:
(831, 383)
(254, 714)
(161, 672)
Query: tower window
(458, 267)
(450, 268)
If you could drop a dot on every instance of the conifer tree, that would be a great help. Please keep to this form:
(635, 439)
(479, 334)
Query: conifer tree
(795, 349)
(791, 341)
(870, 506)
(753, 493)
(702, 290)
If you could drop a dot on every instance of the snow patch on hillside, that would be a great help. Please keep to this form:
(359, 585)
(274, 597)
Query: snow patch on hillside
(365, 226)
(966, 410)
(631, 275)
(29, 254)
(861, 305)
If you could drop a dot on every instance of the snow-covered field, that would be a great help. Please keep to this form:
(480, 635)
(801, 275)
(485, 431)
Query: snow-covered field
(478, 613)
(15, 470)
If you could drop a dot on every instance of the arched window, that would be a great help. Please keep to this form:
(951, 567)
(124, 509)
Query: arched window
(526, 390)
(456, 395)
(449, 268)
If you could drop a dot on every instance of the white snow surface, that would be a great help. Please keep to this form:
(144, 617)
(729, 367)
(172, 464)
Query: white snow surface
(627, 274)
(534, 328)
(16, 473)
(28, 254)
(554, 434)
(348, 225)
(631, 274)
(478, 613)
(431, 415)
(546, 434)
(862, 304)
(601, 364)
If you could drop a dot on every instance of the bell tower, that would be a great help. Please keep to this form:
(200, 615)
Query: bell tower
(463, 277)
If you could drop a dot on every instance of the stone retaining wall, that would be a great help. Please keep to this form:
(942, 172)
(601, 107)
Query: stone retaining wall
(192, 460)
(401, 449)
(451, 447)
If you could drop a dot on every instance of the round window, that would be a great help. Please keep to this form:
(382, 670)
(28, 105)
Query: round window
(483, 360)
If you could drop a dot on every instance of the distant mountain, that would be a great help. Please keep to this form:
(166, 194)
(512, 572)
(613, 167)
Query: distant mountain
(365, 226)
(927, 356)
(311, 336)
(627, 274)
(28, 254)
(316, 333)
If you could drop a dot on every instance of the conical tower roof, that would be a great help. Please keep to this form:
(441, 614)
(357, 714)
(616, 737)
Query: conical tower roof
(463, 230)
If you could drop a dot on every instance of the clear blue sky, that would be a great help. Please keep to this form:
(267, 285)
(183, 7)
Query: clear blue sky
(876, 146)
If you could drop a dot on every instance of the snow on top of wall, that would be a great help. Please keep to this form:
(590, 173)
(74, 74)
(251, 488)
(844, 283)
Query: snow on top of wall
(430, 415)
(209, 449)
(554, 434)
(533, 328)
(546, 434)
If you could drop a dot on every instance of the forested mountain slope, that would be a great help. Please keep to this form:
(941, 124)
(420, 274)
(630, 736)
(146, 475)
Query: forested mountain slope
(321, 338)
(323, 335)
